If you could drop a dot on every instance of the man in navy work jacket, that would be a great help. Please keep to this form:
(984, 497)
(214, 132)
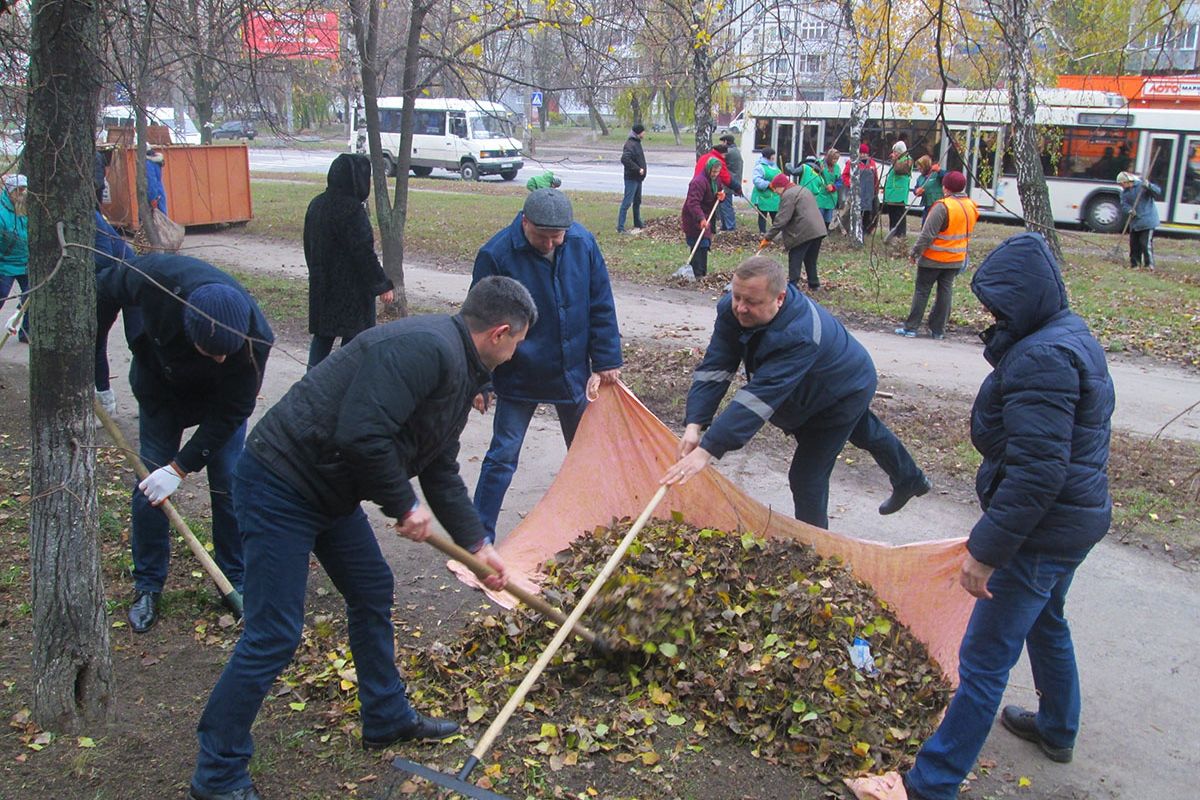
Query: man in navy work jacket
(198, 360)
(1041, 421)
(806, 375)
(387, 407)
(574, 345)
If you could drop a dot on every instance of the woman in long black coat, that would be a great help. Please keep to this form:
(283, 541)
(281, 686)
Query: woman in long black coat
(344, 274)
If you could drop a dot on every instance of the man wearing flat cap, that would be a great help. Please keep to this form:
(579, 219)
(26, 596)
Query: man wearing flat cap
(572, 348)
(198, 361)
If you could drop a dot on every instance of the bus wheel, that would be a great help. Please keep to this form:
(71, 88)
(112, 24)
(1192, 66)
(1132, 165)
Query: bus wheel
(422, 172)
(469, 171)
(389, 166)
(1103, 214)
(509, 174)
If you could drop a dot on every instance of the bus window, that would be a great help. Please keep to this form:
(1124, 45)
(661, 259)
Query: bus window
(762, 133)
(458, 125)
(1191, 175)
(430, 122)
(1097, 153)
(1163, 153)
(389, 120)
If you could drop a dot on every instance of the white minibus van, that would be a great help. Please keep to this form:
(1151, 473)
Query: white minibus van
(183, 130)
(470, 137)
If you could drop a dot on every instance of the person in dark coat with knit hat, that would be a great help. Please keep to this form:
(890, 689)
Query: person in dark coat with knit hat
(574, 346)
(800, 228)
(344, 274)
(703, 194)
(198, 361)
(806, 375)
(1042, 423)
(633, 165)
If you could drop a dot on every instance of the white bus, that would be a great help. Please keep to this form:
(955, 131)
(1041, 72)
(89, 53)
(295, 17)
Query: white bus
(470, 137)
(1087, 138)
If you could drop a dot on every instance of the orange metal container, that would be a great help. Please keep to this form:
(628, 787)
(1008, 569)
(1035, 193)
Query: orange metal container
(205, 184)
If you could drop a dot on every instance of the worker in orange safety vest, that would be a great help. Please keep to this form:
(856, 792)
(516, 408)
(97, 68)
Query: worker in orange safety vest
(940, 253)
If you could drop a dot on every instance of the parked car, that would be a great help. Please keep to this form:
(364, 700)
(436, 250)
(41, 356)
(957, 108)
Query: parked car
(234, 129)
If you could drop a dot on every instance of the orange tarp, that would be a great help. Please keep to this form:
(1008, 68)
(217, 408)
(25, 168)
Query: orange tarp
(612, 470)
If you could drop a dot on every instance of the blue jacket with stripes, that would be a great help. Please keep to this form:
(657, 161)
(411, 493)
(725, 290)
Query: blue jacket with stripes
(798, 366)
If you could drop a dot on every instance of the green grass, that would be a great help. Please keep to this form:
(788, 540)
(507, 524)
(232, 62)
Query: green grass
(1155, 313)
(279, 298)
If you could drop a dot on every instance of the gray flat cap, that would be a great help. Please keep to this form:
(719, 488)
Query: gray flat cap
(548, 208)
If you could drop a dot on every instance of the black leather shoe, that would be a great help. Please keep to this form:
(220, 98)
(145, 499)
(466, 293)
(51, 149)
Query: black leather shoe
(144, 611)
(249, 793)
(1023, 723)
(900, 497)
(423, 728)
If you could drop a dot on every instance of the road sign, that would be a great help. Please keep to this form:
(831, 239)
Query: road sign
(535, 99)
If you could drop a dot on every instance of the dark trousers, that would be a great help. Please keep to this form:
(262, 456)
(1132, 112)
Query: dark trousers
(22, 281)
(804, 257)
(160, 434)
(821, 439)
(106, 315)
(897, 220)
(322, 346)
(699, 259)
(632, 198)
(926, 278)
(281, 530)
(726, 212)
(762, 219)
(1141, 248)
(869, 218)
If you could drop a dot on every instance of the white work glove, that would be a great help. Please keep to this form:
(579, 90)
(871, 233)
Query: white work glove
(108, 401)
(159, 484)
(13, 322)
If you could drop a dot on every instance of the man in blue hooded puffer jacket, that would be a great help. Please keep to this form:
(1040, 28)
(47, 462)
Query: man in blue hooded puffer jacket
(1041, 423)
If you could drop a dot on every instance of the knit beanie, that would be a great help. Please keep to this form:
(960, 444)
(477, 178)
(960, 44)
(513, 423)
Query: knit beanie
(1126, 177)
(865, 149)
(900, 147)
(780, 181)
(954, 182)
(225, 333)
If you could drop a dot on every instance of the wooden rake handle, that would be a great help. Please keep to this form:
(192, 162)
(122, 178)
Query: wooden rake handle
(231, 595)
(482, 571)
(700, 238)
(518, 697)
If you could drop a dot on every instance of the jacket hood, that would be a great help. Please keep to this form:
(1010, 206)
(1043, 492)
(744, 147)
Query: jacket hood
(350, 173)
(1020, 283)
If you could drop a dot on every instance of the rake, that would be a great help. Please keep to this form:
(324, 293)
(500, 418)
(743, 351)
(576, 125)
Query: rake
(460, 783)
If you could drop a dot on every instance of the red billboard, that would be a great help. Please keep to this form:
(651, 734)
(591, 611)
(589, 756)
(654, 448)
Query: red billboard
(300, 34)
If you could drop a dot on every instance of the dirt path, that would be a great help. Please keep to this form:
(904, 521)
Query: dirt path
(1133, 615)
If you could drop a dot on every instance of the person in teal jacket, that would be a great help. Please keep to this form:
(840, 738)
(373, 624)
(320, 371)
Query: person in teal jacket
(831, 182)
(547, 180)
(895, 192)
(762, 198)
(14, 247)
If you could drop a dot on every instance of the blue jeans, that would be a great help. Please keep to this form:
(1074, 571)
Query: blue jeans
(1026, 609)
(821, 439)
(160, 434)
(6, 282)
(633, 198)
(827, 215)
(281, 529)
(728, 218)
(508, 434)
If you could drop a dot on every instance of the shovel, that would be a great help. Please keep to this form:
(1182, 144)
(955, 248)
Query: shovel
(460, 782)
(230, 595)
(539, 605)
(686, 270)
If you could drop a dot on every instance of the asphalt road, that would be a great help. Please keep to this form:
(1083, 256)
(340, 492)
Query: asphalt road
(577, 173)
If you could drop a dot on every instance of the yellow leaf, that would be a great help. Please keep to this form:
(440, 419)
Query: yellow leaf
(650, 759)
(1024, 782)
(475, 713)
(549, 730)
(86, 741)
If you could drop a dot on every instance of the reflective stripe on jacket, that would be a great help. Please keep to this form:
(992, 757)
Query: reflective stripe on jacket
(950, 245)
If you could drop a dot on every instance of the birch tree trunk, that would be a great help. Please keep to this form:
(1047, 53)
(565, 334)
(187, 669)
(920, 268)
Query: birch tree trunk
(1018, 21)
(71, 659)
